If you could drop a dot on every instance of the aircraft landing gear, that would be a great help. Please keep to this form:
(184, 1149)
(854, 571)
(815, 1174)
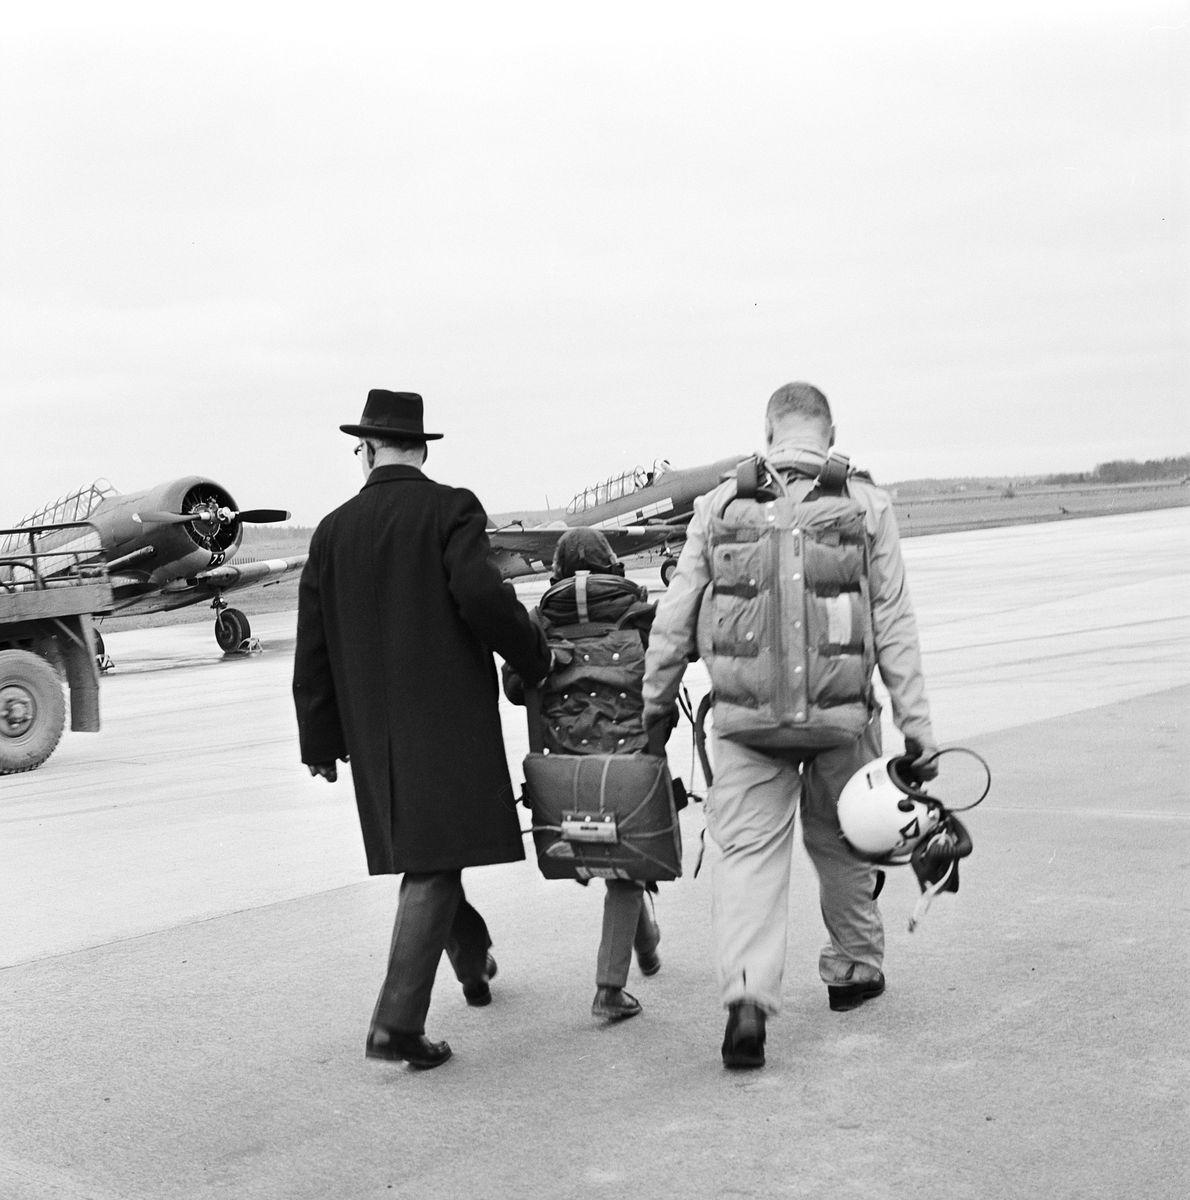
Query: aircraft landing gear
(668, 567)
(232, 631)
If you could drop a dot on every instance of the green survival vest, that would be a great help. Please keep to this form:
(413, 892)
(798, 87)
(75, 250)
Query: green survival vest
(785, 625)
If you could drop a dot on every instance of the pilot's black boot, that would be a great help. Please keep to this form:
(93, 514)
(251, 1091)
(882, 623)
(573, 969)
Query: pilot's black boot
(743, 1041)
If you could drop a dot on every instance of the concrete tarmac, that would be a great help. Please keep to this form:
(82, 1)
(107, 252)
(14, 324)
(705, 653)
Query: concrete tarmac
(192, 946)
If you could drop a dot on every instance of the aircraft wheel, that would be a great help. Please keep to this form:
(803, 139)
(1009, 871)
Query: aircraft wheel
(231, 630)
(668, 567)
(32, 711)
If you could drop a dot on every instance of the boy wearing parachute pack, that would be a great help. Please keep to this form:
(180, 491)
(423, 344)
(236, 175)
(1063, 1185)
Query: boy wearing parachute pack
(791, 589)
(597, 625)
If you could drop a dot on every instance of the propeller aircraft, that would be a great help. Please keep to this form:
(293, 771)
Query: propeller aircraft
(169, 547)
(172, 545)
(636, 511)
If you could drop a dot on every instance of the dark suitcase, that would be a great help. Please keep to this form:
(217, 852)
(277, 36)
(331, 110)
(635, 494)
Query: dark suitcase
(601, 816)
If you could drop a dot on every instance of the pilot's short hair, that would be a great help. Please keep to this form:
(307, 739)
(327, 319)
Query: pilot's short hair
(798, 399)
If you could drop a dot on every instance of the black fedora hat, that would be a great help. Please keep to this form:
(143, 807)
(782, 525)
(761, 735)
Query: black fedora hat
(396, 415)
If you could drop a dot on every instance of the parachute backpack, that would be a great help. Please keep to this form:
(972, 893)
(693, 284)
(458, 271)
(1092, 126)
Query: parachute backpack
(886, 818)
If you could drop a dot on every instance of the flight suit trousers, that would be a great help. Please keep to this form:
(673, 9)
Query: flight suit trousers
(432, 915)
(627, 922)
(750, 817)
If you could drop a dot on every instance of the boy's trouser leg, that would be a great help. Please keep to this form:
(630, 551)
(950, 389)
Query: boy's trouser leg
(621, 920)
(425, 918)
(846, 883)
(647, 932)
(750, 815)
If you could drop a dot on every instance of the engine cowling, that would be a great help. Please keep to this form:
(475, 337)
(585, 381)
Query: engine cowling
(181, 550)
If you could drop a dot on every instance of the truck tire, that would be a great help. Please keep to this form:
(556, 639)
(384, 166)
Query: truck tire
(32, 711)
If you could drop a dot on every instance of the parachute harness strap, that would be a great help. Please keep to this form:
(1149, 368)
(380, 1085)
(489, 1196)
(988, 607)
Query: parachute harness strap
(700, 744)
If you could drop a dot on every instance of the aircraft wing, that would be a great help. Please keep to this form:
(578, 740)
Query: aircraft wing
(537, 545)
(138, 595)
(233, 576)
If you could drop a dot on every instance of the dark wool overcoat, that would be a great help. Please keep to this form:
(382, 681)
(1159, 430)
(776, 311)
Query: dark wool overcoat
(399, 610)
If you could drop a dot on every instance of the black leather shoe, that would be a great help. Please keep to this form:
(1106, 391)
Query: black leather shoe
(743, 1040)
(414, 1048)
(846, 996)
(477, 993)
(614, 1004)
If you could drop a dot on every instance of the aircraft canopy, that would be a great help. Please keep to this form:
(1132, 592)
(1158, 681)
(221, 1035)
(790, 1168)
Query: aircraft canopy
(618, 486)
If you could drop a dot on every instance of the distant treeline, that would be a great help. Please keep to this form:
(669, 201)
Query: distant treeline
(1128, 471)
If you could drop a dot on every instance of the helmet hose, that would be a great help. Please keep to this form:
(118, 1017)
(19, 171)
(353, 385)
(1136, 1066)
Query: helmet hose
(982, 762)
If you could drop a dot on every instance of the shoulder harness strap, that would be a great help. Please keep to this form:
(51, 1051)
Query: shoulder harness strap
(747, 478)
(755, 480)
(833, 476)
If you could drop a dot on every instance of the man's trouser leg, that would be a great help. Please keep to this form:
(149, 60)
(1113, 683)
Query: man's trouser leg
(468, 942)
(846, 884)
(626, 923)
(750, 815)
(432, 915)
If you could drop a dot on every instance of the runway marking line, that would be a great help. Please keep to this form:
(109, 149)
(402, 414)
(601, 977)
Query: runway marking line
(1047, 637)
(1086, 812)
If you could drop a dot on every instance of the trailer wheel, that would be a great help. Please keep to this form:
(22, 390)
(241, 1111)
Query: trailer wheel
(32, 711)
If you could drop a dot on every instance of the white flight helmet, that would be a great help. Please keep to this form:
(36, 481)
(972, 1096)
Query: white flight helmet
(884, 814)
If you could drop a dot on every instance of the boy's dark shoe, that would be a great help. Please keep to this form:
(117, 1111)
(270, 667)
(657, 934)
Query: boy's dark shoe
(844, 997)
(649, 963)
(743, 1042)
(614, 1004)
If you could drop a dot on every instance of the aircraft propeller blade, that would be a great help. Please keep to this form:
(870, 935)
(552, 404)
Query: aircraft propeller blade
(263, 516)
(251, 516)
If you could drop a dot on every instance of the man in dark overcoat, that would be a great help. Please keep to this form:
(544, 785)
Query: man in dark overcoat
(399, 610)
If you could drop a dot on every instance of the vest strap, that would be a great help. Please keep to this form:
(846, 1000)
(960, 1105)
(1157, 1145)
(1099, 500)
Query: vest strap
(580, 596)
(533, 712)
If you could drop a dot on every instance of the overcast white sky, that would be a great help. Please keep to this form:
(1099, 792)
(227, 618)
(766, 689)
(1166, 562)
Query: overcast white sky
(589, 235)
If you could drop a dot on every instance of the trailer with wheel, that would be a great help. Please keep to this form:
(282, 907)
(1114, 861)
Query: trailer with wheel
(48, 594)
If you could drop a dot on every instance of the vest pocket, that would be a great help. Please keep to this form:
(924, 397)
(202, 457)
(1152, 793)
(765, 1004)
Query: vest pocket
(834, 567)
(836, 624)
(738, 625)
(836, 648)
(837, 679)
(739, 605)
